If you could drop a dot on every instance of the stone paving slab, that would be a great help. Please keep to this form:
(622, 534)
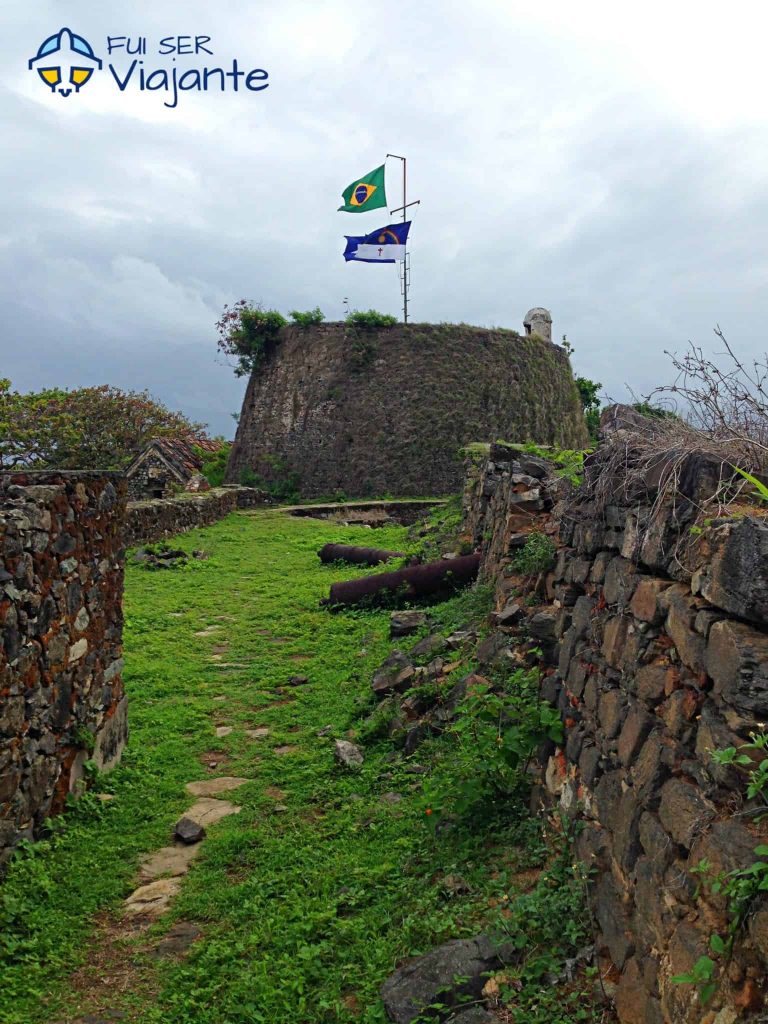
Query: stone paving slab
(170, 860)
(211, 787)
(151, 901)
(206, 811)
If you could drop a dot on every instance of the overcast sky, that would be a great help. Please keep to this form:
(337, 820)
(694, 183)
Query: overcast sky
(606, 161)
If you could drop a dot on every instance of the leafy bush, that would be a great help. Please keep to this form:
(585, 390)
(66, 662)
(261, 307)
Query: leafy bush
(249, 478)
(371, 320)
(249, 334)
(654, 412)
(549, 928)
(588, 396)
(88, 428)
(214, 463)
(536, 556)
(307, 319)
(283, 484)
(495, 733)
(742, 887)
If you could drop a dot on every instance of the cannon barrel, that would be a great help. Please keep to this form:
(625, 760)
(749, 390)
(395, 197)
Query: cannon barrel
(414, 581)
(356, 555)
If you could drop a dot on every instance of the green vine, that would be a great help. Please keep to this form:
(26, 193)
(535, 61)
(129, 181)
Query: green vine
(742, 886)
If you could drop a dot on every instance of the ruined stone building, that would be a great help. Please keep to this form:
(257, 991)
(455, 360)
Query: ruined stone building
(167, 465)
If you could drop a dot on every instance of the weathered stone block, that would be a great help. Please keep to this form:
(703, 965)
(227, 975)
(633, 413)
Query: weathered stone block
(444, 975)
(684, 812)
(655, 842)
(615, 636)
(612, 709)
(634, 1004)
(734, 576)
(620, 582)
(633, 734)
(737, 661)
(645, 600)
(626, 836)
(650, 682)
(714, 734)
(685, 947)
(613, 919)
(681, 616)
(395, 674)
(678, 710)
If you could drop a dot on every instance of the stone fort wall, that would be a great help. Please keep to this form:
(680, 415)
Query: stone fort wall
(656, 641)
(61, 692)
(387, 411)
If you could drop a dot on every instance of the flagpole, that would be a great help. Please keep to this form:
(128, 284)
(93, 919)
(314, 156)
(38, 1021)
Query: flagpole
(404, 207)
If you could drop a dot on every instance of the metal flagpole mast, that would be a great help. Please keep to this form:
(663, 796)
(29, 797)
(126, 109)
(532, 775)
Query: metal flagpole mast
(406, 272)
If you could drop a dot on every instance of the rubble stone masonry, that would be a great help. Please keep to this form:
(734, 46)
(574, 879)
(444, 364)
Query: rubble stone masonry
(61, 691)
(656, 642)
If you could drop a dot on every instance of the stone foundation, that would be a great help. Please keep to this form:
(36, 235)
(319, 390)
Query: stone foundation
(149, 521)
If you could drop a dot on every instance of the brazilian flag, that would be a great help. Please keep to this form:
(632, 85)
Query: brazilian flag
(366, 193)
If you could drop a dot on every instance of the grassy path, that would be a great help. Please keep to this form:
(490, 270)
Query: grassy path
(305, 900)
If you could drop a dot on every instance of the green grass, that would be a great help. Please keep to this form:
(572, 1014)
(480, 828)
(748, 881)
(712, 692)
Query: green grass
(304, 913)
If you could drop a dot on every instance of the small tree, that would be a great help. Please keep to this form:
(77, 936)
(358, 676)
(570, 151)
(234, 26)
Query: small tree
(588, 395)
(86, 428)
(248, 334)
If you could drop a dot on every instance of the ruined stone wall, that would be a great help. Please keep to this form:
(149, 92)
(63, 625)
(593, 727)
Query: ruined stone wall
(149, 521)
(657, 642)
(386, 412)
(61, 691)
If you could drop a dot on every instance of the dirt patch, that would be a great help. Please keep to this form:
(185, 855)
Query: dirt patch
(287, 748)
(213, 760)
(112, 969)
(275, 793)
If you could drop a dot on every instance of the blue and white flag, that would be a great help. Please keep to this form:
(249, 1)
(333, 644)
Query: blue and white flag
(385, 245)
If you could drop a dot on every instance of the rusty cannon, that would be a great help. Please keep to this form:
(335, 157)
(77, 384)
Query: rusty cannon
(413, 581)
(358, 556)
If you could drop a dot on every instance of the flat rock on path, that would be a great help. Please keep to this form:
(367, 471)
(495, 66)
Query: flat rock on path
(151, 901)
(211, 787)
(170, 860)
(224, 730)
(206, 811)
(432, 978)
(257, 734)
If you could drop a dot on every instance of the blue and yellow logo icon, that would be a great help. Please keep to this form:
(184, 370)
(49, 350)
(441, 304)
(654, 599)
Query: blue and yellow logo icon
(65, 62)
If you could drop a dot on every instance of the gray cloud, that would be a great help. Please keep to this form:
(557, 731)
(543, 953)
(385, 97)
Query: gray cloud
(554, 169)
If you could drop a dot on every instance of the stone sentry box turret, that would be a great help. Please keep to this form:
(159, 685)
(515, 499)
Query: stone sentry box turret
(538, 321)
(340, 408)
